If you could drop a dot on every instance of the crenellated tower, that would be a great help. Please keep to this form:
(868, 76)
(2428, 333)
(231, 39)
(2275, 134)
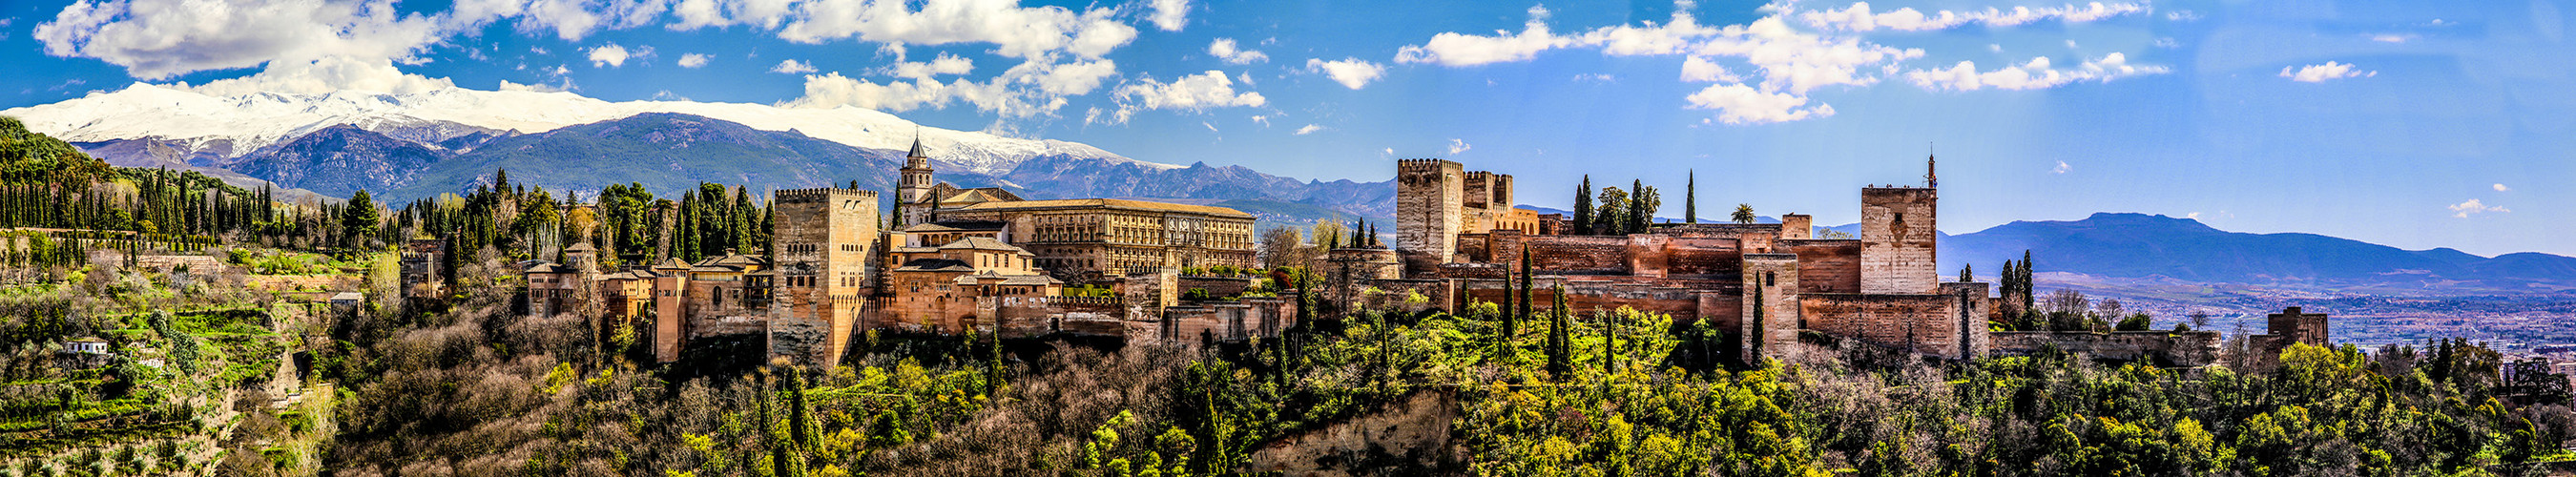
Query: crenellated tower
(1430, 212)
(824, 243)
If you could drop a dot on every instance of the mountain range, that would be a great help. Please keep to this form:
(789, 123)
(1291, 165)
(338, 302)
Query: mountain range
(414, 145)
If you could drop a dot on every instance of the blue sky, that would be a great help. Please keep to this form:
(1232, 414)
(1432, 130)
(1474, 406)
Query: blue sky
(2412, 124)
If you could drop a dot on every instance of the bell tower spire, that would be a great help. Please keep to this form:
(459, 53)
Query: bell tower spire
(1930, 167)
(912, 189)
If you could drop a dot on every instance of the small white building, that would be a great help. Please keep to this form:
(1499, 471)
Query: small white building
(348, 299)
(86, 345)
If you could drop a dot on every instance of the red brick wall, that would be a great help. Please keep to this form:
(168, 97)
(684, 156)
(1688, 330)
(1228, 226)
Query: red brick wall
(1708, 257)
(1826, 266)
(1886, 320)
(1579, 255)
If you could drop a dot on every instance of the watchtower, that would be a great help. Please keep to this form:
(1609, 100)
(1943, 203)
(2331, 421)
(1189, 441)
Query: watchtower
(823, 242)
(1429, 203)
(1899, 230)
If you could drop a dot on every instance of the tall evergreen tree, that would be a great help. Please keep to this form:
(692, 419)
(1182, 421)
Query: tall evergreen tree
(1638, 214)
(1520, 298)
(1559, 366)
(1690, 197)
(1583, 207)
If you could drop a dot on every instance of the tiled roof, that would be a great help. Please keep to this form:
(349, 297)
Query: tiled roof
(981, 243)
(935, 265)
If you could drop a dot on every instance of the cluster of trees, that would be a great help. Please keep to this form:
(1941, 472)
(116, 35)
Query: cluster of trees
(1614, 211)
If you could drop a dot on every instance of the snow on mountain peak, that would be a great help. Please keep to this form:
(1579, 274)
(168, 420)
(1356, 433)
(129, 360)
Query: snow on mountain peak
(232, 126)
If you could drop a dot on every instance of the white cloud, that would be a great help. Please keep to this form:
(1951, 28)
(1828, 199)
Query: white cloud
(1170, 15)
(1458, 145)
(1350, 72)
(1740, 104)
(945, 64)
(1596, 78)
(1016, 31)
(1211, 89)
(1857, 17)
(159, 39)
(1309, 129)
(693, 60)
(2473, 206)
(1697, 69)
(2062, 168)
(1264, 121)
(2035, 74)
(2193, 216)
(1453, 49)
(2502, 188)
(2392, 38)
(2182, 15)
(1029, 89)
(506, 85)
(611, 55)
(793, 67)
(1225, 49)
(323, 76)
(2321, 73)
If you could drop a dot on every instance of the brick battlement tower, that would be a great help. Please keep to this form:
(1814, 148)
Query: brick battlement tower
(1899, 231)
(1430, 205)
(824, 244)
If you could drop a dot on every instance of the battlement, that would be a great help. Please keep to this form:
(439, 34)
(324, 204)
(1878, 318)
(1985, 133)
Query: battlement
(823, 194)
(1897, 190)
(1423, 164)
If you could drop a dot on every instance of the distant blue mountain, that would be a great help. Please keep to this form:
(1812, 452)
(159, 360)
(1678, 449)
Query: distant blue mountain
(2128, 245)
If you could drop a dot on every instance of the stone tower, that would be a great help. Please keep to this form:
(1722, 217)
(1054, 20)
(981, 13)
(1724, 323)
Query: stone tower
(1772, 316)
(1898, 232)
(913, 202)
(824, 241)
(1429, 205)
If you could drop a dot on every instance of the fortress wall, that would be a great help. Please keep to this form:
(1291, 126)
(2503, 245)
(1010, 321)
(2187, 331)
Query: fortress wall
(1579, 255)
(1826, 266)
(1921, 323)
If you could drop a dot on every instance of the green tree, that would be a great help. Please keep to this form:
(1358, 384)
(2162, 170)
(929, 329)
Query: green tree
(1610, 212)
(1744, 213)
(1690, 197)
(360, 219)
(1583, 207)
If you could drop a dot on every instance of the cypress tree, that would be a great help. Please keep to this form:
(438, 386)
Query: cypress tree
(1638, 216)
(1583, 207)
(1690, 197)
(1557, 345)
(1524, 313)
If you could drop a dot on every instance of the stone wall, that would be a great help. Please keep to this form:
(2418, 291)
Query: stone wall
(1826, 266)
(1408, 437)
(1899, 231)
(2162, 348)
(1922, 323)
(1969, 308)
(1578, 255)
(1219, 287)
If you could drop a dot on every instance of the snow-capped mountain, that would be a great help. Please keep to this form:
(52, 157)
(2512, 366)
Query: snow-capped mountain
(225, 128)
